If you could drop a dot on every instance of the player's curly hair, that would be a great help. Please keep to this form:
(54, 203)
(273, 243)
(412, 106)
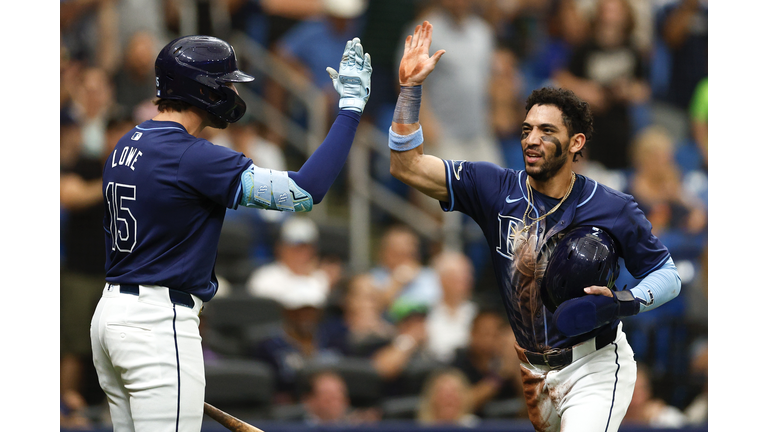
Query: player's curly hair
(577, 116)
(164, 105)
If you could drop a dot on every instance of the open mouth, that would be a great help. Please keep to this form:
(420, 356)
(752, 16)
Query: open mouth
(532, 157)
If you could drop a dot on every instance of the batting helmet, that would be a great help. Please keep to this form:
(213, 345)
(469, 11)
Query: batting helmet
(585, 256)
(196, 70)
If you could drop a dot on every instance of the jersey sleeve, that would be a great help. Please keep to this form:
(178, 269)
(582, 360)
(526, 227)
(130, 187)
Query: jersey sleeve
(643, 252)
(213, 171)
(472, 187)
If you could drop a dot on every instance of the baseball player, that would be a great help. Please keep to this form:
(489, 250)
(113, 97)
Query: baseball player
(577, 368)
(165, 196)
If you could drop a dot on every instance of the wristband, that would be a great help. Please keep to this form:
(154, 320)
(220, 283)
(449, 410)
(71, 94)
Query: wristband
(402, 143)
(408, 105)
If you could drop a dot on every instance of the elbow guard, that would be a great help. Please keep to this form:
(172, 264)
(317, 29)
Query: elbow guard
(273, 190)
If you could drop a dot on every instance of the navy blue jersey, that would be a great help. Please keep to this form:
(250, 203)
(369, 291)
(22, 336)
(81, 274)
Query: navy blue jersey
(496, 198)
(165, 195)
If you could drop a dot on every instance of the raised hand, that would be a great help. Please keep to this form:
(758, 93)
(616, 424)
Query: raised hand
(353, 80)
(416, 63)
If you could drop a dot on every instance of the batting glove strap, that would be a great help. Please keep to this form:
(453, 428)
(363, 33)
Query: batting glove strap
(581, 315)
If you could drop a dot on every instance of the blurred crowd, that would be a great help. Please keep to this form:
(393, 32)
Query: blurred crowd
(424, 320)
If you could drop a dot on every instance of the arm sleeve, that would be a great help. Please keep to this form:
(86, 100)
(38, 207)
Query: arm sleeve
(321, 169)
(659, 287)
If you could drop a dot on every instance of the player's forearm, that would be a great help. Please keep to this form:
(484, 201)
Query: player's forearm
(321, 169)
(408, 163)
(659, 287)
(422, 172)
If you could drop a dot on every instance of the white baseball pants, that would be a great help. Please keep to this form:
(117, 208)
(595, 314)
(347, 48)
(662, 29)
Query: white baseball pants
(591, 394)
(148, 355)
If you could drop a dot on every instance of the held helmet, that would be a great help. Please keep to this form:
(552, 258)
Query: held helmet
(196, 70)
(585, 256)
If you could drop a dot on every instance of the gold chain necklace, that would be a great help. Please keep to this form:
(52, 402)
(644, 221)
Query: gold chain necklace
(530, 202)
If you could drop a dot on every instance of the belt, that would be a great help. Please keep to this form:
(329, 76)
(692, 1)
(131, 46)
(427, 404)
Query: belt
(180, 298)
(559, 358)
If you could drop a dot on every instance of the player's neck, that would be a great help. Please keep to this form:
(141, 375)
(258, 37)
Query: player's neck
(191, 119)
(556, 186)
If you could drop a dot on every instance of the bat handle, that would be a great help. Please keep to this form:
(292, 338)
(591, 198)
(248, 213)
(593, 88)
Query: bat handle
(228, 421)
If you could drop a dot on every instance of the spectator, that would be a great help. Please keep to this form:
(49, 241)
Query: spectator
(298, 342)
(506, 106)
(455, 108)
(449, 322)
(135, 80)
(408, 345)
(93, 105)
(657, 187)
(400, 274)
(608, 72)
(682, 26)
(489, 361)
(82, 270)
(296, 263)
(446, 400)
(699, 116)
(567, 29)
(361, 329)
(697, 411)
(646, 410)
(312, 45)
(327, 403)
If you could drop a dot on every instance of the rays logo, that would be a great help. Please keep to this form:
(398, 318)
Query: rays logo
(507, 229)
(457, 171)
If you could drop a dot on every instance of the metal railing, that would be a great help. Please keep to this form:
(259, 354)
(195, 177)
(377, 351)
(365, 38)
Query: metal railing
(364, 190)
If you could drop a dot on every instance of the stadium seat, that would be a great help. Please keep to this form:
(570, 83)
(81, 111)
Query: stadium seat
(363, 382)
(239, 386)
(228, 320)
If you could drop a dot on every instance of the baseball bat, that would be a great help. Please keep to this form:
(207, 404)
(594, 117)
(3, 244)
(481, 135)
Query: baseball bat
(232, 423)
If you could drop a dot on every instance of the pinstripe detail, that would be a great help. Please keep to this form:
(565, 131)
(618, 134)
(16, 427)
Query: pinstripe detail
(449, 171)
(590, 196)
(159, 128)
(615, 384)
(178, 371)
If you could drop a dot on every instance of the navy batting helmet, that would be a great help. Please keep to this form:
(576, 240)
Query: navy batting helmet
(196, 70)
(585, 256)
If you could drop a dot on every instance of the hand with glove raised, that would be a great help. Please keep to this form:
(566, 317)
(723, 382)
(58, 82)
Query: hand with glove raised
(353, 80)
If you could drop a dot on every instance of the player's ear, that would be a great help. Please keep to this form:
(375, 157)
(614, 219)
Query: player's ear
(577, 143)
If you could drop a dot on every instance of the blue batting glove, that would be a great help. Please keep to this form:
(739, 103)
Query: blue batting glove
(353, 80)
(583, 314)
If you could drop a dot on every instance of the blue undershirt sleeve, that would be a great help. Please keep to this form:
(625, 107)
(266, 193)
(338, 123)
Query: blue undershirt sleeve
(659, 287)
(321, 169)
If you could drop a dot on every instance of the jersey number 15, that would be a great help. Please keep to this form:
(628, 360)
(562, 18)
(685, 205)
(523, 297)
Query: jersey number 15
(122, 224)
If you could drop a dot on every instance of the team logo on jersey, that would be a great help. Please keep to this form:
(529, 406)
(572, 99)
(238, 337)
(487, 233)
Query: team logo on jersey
(457, 171)
(136, 136)
(509, 227)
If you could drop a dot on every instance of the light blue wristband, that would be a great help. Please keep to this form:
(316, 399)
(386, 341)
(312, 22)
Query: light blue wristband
(402, 143)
